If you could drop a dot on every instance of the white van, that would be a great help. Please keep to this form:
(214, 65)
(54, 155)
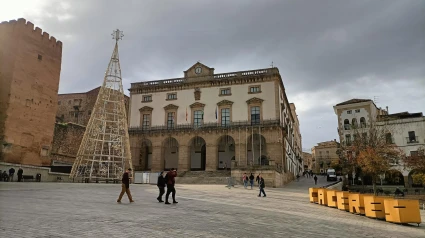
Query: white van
(331, 175)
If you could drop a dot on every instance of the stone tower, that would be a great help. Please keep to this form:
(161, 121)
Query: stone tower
(30, 65)
(104, 152)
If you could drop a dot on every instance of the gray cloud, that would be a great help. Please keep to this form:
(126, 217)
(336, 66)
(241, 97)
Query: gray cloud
(326, 51)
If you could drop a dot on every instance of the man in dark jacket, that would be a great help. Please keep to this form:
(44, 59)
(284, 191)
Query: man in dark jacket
(161, 186)
(251, 180)
(262, 186)
(20, 173)
(125, 186)
(170, 186)
(11, 173)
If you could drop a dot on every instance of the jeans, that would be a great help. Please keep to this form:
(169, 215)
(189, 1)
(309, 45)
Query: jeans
(251, 182)
(170, 189)
(245, 183)
(262, 191)
(161, 192)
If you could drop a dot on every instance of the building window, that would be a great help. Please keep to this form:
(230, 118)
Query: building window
(357, 110)
(412, 137)
(349, 112)
(170, 120)
(255, 115)
(255, 89)
(225, 91)
(59, 102)
(388, 138)
(414, 153)
(146, 123)
(171, 96)
(348, 139)
(354, 122)
(198, 116)
(39, 57)
(346, 124)
(362, 122)
(44, 151)
(147, 98)
(225, 117)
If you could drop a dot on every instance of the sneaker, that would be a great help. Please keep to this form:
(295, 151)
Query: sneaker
(132, 201)
(167, 203)
(259, 195)
(118, 201)
(264, 196)
(175, 202)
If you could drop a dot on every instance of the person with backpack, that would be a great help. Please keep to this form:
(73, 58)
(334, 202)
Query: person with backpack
(170, 185)
(251, 180)
(161, 186)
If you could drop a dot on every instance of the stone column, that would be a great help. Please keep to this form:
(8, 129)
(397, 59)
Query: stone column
(406, 181)
(184, 160)
(211, 157)
(157, 159)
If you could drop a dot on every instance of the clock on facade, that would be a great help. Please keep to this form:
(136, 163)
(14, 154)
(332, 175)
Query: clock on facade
(198, 70)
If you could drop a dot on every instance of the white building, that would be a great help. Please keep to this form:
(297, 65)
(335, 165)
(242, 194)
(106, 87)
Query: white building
(407, 129)
(204, 121)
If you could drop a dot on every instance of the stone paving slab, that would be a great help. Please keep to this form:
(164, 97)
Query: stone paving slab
(90, 210)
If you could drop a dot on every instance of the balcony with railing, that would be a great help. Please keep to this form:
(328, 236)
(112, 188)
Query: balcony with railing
(204, 126)
(412, 139)
(230, 75)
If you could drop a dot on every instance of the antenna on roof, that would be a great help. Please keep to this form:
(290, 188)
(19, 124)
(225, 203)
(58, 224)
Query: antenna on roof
(272, 64)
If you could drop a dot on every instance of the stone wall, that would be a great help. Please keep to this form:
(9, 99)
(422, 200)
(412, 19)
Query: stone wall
(78, 107)
(30, 65)
(66, 141)
(272, 178)
(46, 174)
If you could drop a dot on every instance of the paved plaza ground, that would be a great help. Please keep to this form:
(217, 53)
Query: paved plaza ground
(90, 210)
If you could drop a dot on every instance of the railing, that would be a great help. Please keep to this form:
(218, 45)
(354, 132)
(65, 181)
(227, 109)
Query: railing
(213, 125)
(215, 76)
(347, 127)
(411, 140)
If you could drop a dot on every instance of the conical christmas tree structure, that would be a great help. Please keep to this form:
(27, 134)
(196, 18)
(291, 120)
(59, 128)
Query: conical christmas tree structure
(104, 152)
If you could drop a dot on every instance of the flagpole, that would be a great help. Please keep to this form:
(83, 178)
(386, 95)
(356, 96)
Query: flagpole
(246, 145)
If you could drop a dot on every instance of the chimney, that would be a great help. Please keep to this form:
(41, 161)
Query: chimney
(387, 111)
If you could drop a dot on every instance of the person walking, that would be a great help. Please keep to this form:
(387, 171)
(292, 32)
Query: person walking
(20, 172)
(315, 180)
(171, 181)
(161, 186)
(257, 179)
(251, 180)
(262, 186)
(125, 187)
(245, 180)
(11, 173)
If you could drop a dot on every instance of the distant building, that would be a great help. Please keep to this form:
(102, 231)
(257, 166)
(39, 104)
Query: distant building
(307, 161)
(77, 107)
(406, 130)
(207, 121)
(30, 66)
(324, 156)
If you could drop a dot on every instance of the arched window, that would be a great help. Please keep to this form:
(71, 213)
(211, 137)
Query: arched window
(354, 122)
(346, 124)
(362, 122)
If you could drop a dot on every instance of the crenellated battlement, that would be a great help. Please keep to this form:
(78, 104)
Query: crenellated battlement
(24, 25)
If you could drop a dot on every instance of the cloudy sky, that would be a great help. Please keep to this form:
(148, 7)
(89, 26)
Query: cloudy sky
(326, 51)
